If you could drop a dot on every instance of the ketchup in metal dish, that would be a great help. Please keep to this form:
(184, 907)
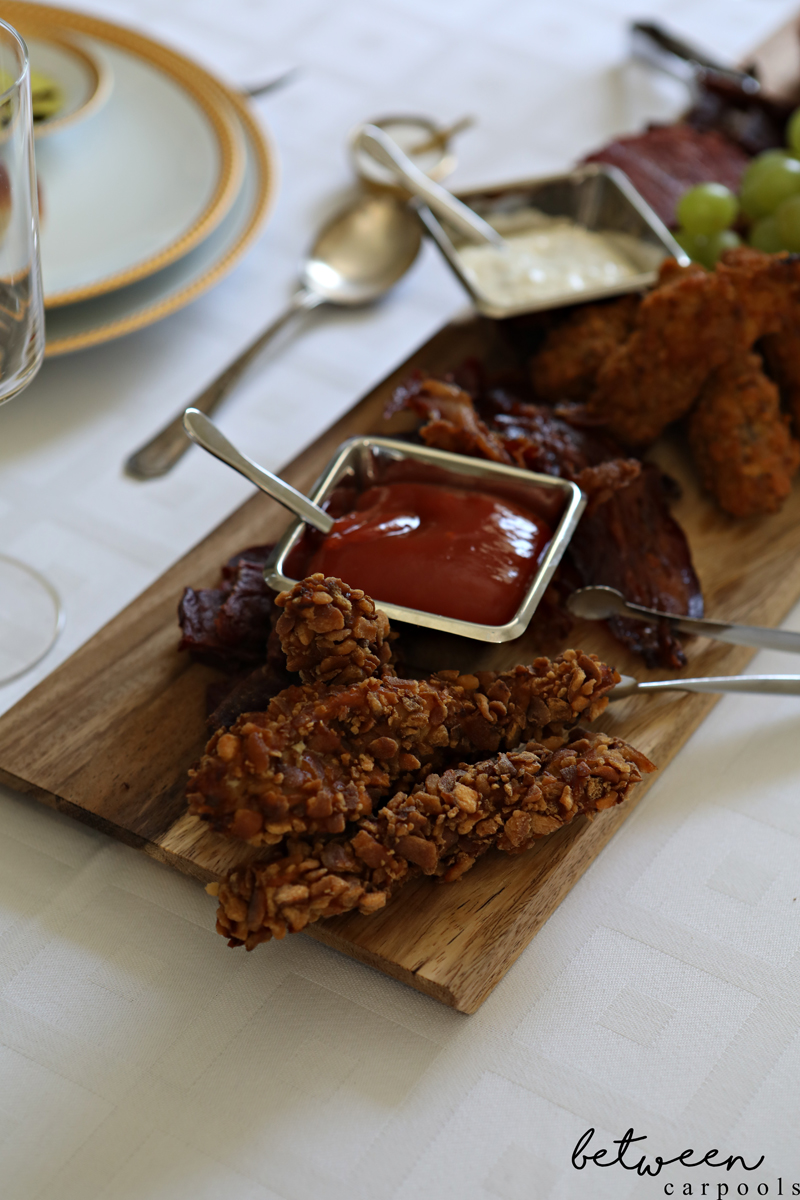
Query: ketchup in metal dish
(460, 554)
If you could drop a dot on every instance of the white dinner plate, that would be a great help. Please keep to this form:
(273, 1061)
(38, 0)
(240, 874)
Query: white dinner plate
(140, 304)
(138, 184)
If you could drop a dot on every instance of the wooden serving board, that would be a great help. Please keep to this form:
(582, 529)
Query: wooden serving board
(108, 737)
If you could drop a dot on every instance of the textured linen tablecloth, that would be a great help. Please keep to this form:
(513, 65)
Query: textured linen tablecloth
(139, 1057)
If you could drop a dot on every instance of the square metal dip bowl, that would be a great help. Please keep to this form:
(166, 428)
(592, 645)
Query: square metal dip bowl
(598, 197)
(364, 462)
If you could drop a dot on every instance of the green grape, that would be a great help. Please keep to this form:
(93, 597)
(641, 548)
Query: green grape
(775, 152)
(787, 223)
(705, 248)
(717, 244)
(764, 236)
(707, 208)
(693, 243)
(793, 131)
(768, 181)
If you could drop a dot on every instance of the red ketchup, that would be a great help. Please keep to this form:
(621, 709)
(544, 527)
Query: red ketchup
(460, 554)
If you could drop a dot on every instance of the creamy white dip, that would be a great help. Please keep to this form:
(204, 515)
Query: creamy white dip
(543, 257)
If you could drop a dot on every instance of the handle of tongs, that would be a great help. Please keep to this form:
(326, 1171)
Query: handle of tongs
(652, 44)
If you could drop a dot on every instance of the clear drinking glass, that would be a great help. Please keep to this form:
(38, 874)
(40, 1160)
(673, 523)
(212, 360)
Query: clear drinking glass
(30, 611)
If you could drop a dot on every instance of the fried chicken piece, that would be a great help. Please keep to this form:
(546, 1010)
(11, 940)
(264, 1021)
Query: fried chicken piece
(772, 295)
(685, 328)
(332, 633)
(690, 325)
(320, 756)
(782, 358)
(767, 287)
(439, 828)
(566, 366)
(740, 440)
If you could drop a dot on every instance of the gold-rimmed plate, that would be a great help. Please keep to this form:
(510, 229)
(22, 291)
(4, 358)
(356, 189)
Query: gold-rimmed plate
(82, 82)
(140, 183)
(79, 326)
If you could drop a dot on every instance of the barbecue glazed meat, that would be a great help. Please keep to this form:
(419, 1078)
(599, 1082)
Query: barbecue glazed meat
(626, 538)
(320, 756)
(229, 626)
(439, 828)
(332, 633)
(566, 366)
(740, 440)
(666, 160)
(753, 120)
(632, 543)
(523, 435)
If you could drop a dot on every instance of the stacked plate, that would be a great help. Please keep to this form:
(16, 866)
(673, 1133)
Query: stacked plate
(153, 177)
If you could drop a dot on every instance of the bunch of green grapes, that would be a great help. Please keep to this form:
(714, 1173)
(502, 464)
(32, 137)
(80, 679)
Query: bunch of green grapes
(769, 200)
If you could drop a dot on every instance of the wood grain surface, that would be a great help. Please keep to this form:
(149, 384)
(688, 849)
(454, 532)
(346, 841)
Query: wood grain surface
(108, 737)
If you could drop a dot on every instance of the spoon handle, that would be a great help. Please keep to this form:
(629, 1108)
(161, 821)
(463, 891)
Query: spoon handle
(770, 685)
(160, 454)
(205, 433)
(386, 151)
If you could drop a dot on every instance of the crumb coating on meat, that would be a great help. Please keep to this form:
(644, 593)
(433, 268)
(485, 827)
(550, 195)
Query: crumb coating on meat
(322, 755)
(332, 633)
(439, 828)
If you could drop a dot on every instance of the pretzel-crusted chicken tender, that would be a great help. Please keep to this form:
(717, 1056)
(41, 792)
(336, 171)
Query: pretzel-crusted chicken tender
(331, 632)
(320, 756)
(439, 828)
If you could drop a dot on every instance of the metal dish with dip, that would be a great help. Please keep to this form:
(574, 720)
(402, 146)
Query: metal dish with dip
(572, 216)
(367, 462)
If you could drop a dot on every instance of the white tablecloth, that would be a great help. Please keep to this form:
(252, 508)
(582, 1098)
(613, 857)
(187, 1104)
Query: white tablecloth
(139, 1057)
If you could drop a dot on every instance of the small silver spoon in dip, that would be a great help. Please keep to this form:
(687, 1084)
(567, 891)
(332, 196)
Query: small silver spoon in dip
(386, 151)
(357, 257)
(600, 602)
(206, 434)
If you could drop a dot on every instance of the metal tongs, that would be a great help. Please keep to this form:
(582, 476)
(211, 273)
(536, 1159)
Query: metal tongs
(763, 685)
(723, 97)
(656, 46)
(600, 603)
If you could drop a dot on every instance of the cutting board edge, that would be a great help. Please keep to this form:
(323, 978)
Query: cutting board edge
(60, 804)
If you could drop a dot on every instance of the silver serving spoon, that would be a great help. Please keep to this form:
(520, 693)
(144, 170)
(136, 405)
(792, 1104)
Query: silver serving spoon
(385, 150)
(599, 603)
(206, 434)
(765, 685)
(357, 257)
